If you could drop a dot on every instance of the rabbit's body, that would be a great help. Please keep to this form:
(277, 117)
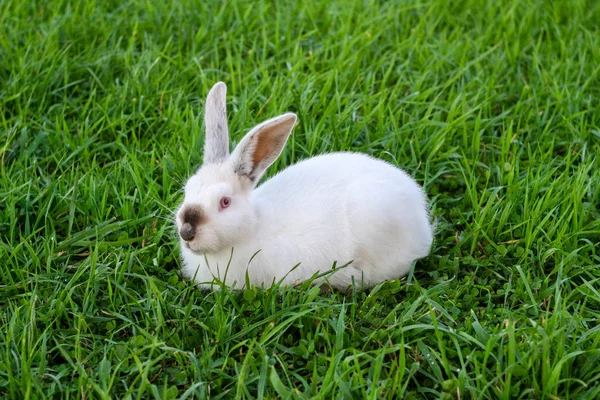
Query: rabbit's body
(340, 207)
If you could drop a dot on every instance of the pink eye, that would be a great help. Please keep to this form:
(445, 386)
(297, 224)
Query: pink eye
(225, 202)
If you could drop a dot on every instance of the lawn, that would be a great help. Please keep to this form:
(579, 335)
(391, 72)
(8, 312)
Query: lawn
(493, 106)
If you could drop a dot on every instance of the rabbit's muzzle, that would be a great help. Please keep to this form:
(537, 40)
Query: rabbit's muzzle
(192, 217)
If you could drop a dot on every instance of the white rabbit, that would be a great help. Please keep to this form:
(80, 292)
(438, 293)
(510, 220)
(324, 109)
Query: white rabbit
(334, 209)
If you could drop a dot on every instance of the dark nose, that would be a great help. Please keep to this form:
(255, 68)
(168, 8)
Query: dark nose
(187, 232)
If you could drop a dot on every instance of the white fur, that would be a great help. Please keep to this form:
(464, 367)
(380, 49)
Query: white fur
(335, 208)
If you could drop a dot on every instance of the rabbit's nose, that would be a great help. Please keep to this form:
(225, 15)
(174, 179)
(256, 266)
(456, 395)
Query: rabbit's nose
(192, 216)
(187, 232)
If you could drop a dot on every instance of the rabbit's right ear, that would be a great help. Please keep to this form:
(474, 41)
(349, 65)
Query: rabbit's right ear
(216, 140)
(261, 146)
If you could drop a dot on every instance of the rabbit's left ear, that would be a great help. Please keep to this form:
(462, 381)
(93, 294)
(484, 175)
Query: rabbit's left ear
(261, 146)
(216, 141)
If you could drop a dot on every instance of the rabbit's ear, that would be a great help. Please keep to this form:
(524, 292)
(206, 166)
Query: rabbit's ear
(216, 140)
(261, 146)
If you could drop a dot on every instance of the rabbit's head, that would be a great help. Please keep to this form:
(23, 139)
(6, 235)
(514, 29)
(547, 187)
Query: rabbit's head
(217, 210)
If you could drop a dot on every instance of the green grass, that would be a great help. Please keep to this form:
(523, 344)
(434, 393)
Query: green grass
(492, 106)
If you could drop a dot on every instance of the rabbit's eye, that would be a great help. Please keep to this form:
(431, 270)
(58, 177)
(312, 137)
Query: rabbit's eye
(225, 202)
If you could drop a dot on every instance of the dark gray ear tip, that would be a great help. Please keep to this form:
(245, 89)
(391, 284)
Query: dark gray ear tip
(217, 93)
(219, 87)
